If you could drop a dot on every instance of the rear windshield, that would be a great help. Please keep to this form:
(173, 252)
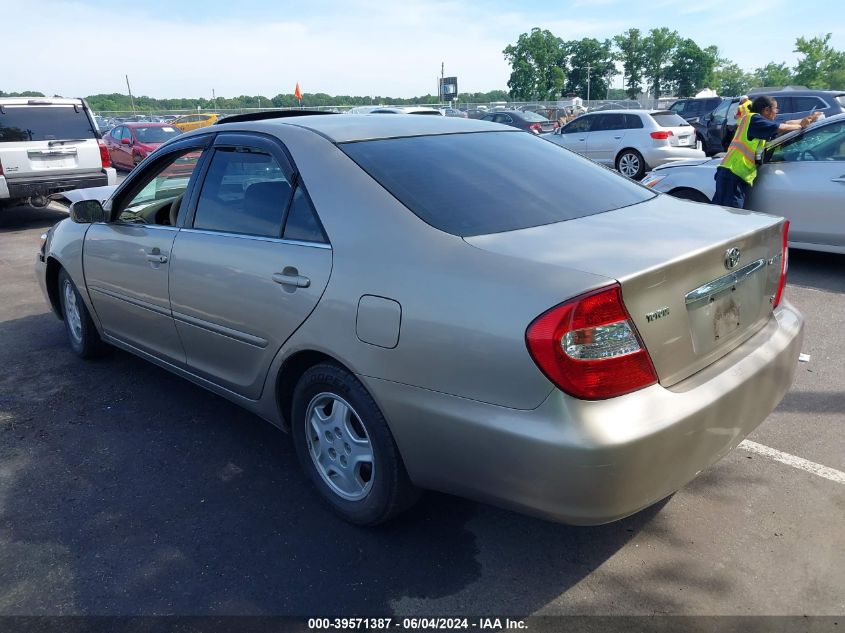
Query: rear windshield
(44, 123)
(668, 119)
(155, 134)
(490, 182)
(532, 117)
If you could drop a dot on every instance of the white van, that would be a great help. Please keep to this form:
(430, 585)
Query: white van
(48, 146)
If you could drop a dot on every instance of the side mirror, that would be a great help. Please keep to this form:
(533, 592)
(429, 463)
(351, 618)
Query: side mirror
(87, 212)
(125, 141)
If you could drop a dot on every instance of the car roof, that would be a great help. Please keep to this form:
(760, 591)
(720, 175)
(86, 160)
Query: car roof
(345, 128)
(39, 101)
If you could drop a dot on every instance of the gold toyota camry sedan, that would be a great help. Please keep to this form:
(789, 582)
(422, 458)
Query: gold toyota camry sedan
(438, 303)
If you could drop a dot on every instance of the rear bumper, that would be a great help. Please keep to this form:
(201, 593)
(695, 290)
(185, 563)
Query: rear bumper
(46, 185)
(593, 462)
(656, 156)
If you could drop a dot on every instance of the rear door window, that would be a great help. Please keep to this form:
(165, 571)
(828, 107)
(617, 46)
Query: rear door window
(805, 104)
(44, 123)
(633, 122)
(462, 183)
(244, 192)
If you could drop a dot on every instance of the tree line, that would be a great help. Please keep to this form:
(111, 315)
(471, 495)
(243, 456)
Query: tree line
(117, 102)
(546, 67)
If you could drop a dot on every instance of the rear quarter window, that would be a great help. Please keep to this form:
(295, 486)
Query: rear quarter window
(491, 182)
(44, 123)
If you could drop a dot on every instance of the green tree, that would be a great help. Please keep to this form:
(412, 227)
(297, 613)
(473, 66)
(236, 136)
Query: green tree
(589, 53)
(773, 75)
(819, 64)
(659, 46)
(538, 65)
(692, 67)
(632, 55)
(730, 79)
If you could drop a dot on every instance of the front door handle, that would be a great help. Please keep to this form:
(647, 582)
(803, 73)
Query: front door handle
(155, 256)
(617, 137)
(289, 279)
(840, 179)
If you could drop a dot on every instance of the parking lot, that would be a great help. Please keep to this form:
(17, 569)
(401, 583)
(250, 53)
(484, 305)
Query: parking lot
(125, 490)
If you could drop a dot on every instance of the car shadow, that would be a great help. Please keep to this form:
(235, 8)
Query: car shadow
(125, 490)
(812, 269)
(22, 218)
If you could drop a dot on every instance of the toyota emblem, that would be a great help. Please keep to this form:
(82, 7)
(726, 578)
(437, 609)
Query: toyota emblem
(731, 258)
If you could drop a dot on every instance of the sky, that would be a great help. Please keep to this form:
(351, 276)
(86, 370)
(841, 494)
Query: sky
(392, 48)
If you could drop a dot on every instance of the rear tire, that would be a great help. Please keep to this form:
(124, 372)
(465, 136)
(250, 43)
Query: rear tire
(689, 194)
(346, 448)
(630, 163)
(82, 334)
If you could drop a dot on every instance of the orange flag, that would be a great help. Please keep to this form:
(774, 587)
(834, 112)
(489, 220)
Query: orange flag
(297, 93)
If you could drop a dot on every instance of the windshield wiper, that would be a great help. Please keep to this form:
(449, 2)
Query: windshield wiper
(71, 140)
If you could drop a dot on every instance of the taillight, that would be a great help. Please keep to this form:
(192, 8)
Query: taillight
(784, 264)
(104, 154)
(589, 347)
(535, 127)
(662, 135)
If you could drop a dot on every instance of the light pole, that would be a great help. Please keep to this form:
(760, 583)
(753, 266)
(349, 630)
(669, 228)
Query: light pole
(588, 82)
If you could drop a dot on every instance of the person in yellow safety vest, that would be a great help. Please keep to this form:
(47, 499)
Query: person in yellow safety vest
(736, 173)
(744, 107)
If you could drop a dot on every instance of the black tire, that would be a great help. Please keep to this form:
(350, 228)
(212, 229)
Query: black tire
(386, 489)
(630, 163)
(84, 339)
(689, 194)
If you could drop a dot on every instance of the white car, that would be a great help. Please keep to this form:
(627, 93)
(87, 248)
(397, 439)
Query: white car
(801, 177)
(48, 146)
(408, 110)
(632, 141)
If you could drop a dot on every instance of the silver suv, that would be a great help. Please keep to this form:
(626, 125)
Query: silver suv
(48, 146)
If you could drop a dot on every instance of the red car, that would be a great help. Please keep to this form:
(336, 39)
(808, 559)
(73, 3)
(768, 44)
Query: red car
(130, 143)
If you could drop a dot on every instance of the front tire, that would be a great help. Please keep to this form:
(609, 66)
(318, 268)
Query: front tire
(84, 339)
(346, 448)
(630, 163)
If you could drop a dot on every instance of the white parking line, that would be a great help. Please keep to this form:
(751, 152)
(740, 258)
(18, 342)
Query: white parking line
(795, 462)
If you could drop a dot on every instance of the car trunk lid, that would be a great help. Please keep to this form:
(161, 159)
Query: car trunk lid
(672, 130)
(691, 300)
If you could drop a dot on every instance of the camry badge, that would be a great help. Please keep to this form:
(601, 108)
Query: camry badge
(657, 314)
(731, 257)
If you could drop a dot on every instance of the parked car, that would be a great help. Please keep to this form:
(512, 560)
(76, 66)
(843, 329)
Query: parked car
(406, 110)
(48, 146)
(632, 141)
(538, 332)
(130, 143)
(801, 177)
(710, 130)
(195, 121)
(525, 121)
(453, 112)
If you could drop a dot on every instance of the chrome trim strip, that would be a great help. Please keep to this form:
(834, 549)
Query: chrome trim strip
(242, 337)
(135, 302)
(258, 238)
(723, 284)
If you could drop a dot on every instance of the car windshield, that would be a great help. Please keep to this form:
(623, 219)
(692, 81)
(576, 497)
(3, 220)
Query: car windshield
(533, 117)
(669, 119)
(490, 182)
(44, 123)
(155, 134)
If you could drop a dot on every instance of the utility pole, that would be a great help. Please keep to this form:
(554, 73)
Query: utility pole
(588, 81)
(214, 98)
(131, 100)
(442, 76)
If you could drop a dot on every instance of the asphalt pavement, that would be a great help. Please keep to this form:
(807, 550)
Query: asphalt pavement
(125, 490)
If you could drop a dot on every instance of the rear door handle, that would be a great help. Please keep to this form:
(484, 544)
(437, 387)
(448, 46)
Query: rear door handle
(157, 259)
(617, 137)
(297, 281)
(840, 179)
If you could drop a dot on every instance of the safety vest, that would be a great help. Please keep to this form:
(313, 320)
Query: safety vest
(742, 152)
(744, 109)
